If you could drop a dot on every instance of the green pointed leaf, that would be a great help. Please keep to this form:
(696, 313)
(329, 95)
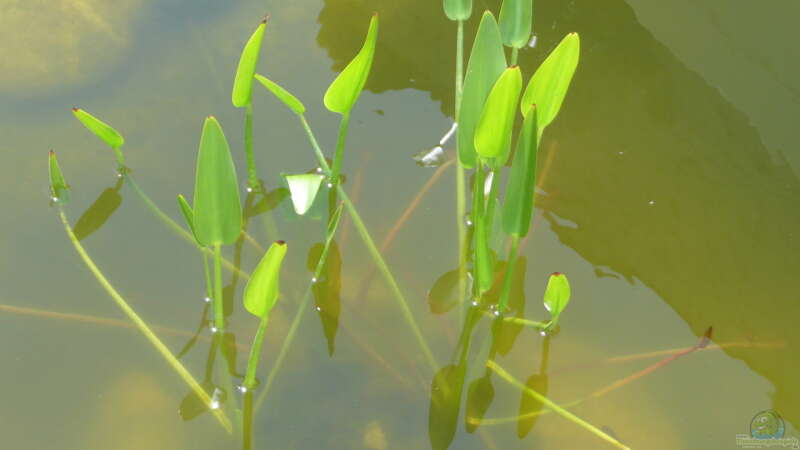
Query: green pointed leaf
(217, 210)
(493, 133)
(188, 215)
(516, 19)
(548, 86)
(58, 187)
(283, 95)
(243, 83)
(261, 291)
(100, 129)
(486, 62)
(518, 206)
(458, 9)
(345, 89)
(303, 188)
(556, 295)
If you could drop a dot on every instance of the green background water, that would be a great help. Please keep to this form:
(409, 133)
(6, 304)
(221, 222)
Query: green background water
(668, 197)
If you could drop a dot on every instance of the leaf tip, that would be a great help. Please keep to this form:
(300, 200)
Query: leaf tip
(280, 242)
(266, 18)
(75, 109)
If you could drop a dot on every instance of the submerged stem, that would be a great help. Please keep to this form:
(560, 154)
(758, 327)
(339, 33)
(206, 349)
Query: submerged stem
(557, 409)
(373, 249)
(142, 326)
(340, 143)
(219, 312)
(255, 354)
(252, 173)
(461, 202)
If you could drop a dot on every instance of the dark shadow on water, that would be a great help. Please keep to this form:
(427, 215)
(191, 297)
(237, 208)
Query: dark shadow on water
(665, 181)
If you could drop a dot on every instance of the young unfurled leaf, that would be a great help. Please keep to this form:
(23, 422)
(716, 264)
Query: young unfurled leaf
(549, 84)
(516, 18)
(345, 89)
(303, 188)
(188, 215)
(283, 95)
(493, 133)
(243, 83)
(486, 62)
(58, 187)
(458, 9)
(217, 210)
(556, 295)
(261, 291)
(100, 129)
(518, 206)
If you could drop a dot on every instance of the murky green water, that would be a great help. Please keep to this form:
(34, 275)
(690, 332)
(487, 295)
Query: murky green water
(668, 196)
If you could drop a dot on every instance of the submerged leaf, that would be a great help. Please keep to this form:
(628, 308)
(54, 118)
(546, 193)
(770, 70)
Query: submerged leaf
(556, 295)
(261, 291)
(480, 395)
(59, 189)
(493, 133)
(445, 405)
(548, 86)
(486, 62)
(303, 189)
(100, 129)
(243, 82)
(283, 95)
(518, 207)
(98, 214)
(458, 9)
(516, 18)
(345, 89)
(444, 294)
(217, 209)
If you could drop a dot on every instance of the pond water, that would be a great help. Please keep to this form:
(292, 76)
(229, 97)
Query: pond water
(668, 187)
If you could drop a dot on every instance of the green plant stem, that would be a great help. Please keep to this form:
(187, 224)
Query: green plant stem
(557, 409)
(340, 143)
(142, 326)
(514, 55)
(247, 421)
(460, 184)
(182, 232)
(477, 215)
(120, 160)
(255, 354)
(207, 272)
(510, 266)
(373, 249)
(323, 257)
(252, 173)
(219, 312)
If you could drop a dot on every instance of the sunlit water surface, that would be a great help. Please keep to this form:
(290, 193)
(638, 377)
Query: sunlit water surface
(668, 192)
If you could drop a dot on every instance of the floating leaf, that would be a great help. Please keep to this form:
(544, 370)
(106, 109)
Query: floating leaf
(516, 18)
(261, 291)
(188, 215)
(283, 95)
(458, 9)
(217, 209)
(548, 86)
(486, 62)
(243, 83)
(518, 206)
(493, 133)
(303, 189)
(100, 129)
(58, 187)
(556, 295)
(345, 89)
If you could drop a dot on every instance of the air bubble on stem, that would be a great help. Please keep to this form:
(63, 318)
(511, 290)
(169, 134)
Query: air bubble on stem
(314, 280)
(214, 329)
(318, 308)
(207, 299)
(319, 169)
(474, 303)
(330, 185)
(242, 389)
(468, 220)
